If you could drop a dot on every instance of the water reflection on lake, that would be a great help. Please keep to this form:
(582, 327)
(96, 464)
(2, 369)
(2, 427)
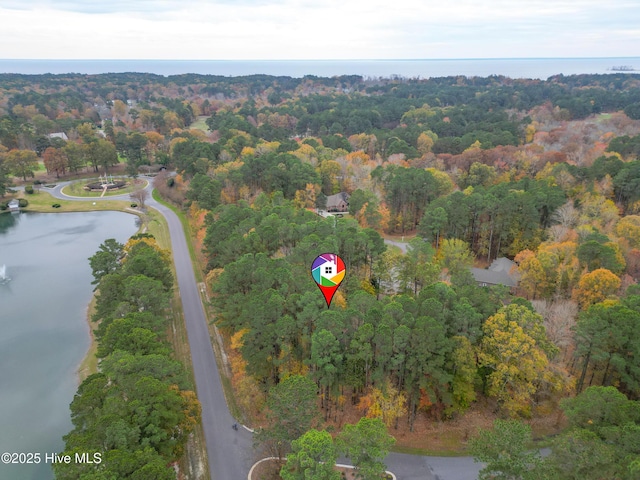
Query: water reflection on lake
(43, 329)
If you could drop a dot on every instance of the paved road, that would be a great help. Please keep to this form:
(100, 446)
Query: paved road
(231, 452)
(401, 245)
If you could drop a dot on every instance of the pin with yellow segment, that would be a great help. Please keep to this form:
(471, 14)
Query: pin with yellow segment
(328, 272)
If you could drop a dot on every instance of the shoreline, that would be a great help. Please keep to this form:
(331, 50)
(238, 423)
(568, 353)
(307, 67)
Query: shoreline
(89, 363)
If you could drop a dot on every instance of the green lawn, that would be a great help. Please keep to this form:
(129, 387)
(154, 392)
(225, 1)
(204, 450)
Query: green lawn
(200, 124)
(76, 189)
(157, 226)
(187, 231)
(41, 202)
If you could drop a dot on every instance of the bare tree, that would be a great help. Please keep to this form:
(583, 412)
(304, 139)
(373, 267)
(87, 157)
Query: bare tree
(139, 196)
(566, 215)
(559, 319)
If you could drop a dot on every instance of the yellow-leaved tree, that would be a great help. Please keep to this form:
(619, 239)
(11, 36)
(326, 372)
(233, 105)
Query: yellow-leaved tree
(595, 287)
(532, 276)
(516, 351)
(629, 229)
(386, 404)
(248, 394)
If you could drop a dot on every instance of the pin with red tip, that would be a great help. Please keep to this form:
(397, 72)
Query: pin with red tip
(328, 271)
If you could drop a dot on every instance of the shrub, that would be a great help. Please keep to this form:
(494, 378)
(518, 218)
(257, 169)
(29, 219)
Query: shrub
(4, 205)
(28, 189)
(23, 202)
(56, 205)
(134, 205)
(171, 182)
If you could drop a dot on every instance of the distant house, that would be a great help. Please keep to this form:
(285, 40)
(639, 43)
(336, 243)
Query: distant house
(338, 202)
(14, 205)
(501, 272)
(61, 135)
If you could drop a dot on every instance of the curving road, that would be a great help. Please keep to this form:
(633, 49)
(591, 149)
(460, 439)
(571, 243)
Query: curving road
(230, 452)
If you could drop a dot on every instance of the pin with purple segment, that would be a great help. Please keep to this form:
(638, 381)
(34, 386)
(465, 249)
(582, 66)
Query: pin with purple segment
(328, 271)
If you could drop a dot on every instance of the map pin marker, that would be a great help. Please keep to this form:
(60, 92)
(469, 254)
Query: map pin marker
(328, 272)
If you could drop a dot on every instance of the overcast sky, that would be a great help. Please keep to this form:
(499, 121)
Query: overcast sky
(317, 29)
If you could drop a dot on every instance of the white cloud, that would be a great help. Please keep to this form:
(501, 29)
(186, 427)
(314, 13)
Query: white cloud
(333, 29)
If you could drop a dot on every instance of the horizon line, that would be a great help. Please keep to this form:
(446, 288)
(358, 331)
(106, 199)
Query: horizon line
(305, 59)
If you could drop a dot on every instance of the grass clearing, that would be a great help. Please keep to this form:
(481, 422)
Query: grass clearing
(187, 231)
(200, 123)
(41, 201)
(76, 189)
(157, 226)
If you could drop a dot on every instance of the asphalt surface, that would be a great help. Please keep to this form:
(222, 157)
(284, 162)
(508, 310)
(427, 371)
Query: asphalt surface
(401, 245)
(231, 452)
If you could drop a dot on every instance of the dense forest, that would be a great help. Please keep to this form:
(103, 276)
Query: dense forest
(470, 170)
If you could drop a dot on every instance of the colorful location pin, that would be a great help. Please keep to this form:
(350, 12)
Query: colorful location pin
(328, 272)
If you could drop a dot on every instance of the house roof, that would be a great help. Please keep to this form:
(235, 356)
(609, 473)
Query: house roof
(501, 264)
(493, 278)
(334, 200)
(61, 135)
(499, 273)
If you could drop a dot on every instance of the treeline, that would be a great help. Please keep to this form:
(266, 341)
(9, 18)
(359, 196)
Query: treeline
(139, 409)
(496, 219)
(623, 176)
(458, 110)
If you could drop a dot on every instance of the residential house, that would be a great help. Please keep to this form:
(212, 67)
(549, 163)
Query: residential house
(338, 202)
(501, 272)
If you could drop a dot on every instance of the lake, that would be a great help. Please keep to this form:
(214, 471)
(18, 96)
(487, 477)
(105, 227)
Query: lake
(43, 329)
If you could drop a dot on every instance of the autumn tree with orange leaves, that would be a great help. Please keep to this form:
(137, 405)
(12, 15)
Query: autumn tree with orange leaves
(55, 161)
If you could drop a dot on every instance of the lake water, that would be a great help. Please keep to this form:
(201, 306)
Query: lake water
(43, 330)
(540, 68)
